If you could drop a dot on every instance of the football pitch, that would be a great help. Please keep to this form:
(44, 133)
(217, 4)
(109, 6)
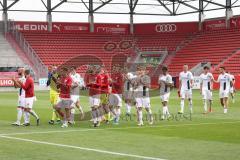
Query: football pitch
(215, 136)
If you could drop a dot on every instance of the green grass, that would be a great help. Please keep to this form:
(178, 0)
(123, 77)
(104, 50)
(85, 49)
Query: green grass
(213, 136)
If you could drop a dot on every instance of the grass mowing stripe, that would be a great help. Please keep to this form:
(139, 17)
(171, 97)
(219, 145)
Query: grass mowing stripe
(101, 129)
(83, 148)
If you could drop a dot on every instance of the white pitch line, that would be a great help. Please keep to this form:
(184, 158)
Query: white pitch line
(101, 129)
(83, 148)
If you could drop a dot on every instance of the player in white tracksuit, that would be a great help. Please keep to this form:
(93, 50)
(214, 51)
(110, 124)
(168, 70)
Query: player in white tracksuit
(232, 88)
(75, 93)
(128, 92)
(165, 83)
(225, 83)
(141, 85)
(21, 98)
(185, 88)
(206, 85)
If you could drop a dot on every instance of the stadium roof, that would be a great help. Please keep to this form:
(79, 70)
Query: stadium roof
(135, 7)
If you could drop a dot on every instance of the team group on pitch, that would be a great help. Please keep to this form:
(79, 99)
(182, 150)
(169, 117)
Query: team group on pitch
(108, 90)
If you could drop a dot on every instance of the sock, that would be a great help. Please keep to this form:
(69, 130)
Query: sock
(99, 116)
(205, 105)
(94, 116)
(33, 113)
(128, 108)
(150, 115)
(164, 110)
(182, 105)
(140, 116)
(72, 114)
(19, 114)
(26, 116)
(190, 105)
(167, 111)
(53, 115)
(118, 113)
(108, 116)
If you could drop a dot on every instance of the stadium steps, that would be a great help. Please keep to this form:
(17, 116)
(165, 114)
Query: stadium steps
(9, 57)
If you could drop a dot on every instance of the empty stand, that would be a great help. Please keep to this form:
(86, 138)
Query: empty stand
(213, 47)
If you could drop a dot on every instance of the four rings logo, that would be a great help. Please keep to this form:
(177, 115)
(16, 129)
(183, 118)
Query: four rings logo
(164, 28)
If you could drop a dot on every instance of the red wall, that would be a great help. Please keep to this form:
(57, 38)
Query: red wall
(151, 28)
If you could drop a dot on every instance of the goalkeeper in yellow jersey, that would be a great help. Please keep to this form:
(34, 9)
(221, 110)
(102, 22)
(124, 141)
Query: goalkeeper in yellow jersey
(54, 93)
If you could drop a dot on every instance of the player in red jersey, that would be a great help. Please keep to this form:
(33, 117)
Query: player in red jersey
(93, 83)
(28, 86)
(104, 87)
(115, 98)
(64, 83)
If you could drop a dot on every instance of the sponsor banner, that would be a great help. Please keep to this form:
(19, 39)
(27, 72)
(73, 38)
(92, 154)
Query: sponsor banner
(8, 74)
(6, 82)
(235, 22)
(42, 82)
(73, 27)
(220, 23)
(211, 25)
(153, 28)
(56, 27)
(111, 28)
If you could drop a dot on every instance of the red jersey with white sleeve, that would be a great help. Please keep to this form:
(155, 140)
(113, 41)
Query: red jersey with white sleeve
(117, 83)
(65, 87)
(92, 83)
(28, 86)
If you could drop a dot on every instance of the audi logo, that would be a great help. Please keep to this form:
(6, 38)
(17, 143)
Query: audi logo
(165, 28)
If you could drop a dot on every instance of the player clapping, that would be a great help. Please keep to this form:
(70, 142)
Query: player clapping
(28, 86)
(21, 99)
(64, 83)
(142, 84)
(75, 93)
(115, 98)
(165, 83)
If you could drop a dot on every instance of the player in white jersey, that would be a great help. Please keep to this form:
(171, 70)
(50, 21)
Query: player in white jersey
(165, 83)
(185, 88)
(232, 88)
(225, 83)
(141, 85)
(206, 85)
(21, 98)
(75, 93)
(128, 92)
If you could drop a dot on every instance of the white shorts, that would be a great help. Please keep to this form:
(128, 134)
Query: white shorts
(64, 103)
(143, 102)
(224, 94)
(94, 100)
(232, 90)
(115, 100)
(21, 101)
(207, 94)
(29, 102)
(165, 97)
(128, 95)
(75, 98)
(186, 94)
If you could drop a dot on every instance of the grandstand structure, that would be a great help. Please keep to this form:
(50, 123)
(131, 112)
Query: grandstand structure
(207, 41)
